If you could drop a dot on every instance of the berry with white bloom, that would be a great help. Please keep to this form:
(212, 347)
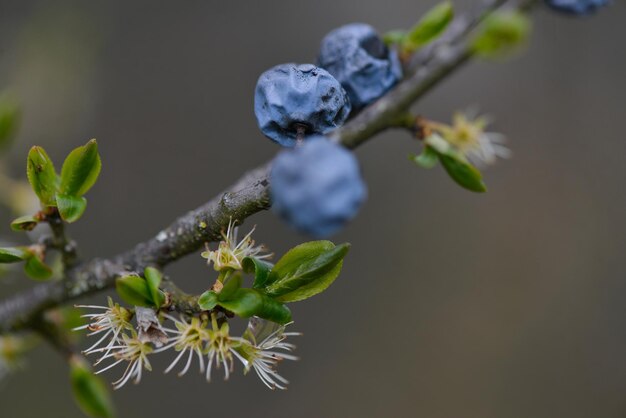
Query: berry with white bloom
(135, 352)
(230, 253)
(111, 322)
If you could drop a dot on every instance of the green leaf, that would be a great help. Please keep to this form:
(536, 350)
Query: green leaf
(134, 290)
(41, 175)
(90, 392)
(500, 33)
(231, 285)
(36, 269)
(71, 208)
(13, 255)
(427, 159)
(260, 268)
(10, 116)
(80, 169)
(24, 223)
(429, 27)
(251, 302)
(394, 37)
(465, 174)
(306, 270)
(208, 300)
(153, 281)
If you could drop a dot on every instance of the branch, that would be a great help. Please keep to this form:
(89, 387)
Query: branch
(250, 194)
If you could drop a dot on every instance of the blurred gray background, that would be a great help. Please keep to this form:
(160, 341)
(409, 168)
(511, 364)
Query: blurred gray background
(451, 304)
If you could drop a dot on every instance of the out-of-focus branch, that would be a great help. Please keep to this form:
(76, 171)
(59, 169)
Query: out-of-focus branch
(250, 194)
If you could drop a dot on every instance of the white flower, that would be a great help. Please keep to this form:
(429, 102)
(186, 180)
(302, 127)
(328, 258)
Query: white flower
(467, 135)
(221, 347)
(229, 254)
(190, 336)
(111, 323)
(261, 354)
(135, 352)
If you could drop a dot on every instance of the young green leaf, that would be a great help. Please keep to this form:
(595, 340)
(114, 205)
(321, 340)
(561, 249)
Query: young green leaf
(80, 169)
(231, 285)
(24, 223)
(306, 270)
(465, 174)
(13, 255)
(429, 27)
(134, 291)
(394, 37)
(260, 268)
(36, 269)
(41, 175)
(90, 392)
(250, 302)
(500, 33)
(9, 120)
(427, 159)
(208, 300)
(153, 281)
(71, 208)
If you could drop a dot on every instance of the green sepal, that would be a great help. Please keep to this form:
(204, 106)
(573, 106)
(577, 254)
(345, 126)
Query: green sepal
(306, 270)
(465, 174)
(41, 175)
(134, 291)
(24, 223)
(10, 116)
(71, 208)
(90, 392)
(80, 169)
(500, 33)
(251, 302)
(427, 159)
(153, 281)
(36, 269)
(260, 268)
(429, 27)
(208, 300)
(14, 255)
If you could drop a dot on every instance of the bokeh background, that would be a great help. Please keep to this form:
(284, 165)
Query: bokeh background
(451, 304)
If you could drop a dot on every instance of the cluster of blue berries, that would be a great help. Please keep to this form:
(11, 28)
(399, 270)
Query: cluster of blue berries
(317, 186)
(577, 7)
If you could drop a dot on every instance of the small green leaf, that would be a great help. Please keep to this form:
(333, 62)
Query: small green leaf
(465, 174)
(429, 27)
(24, 223)
(500, 33)
(80, 169)
(13, 255)
(394, 37)
(153, 281)
(90, 392)
(231, 285)
(10, 116)
(36, 269)
(251, 302)
(134, 290)
(427, 159)
(306, 270)
(41, 175)
(71, 208)
(260, 268)
(208, 300)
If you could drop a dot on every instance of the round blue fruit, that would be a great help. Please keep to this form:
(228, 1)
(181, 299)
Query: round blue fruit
(356, 56)
(317, 187)
(296, 101)
(577, 7)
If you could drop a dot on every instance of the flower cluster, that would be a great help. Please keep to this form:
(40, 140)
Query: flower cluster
(230, 253)
(208, 339)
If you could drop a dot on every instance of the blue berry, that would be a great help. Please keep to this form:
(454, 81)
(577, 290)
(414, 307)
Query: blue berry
(577, 7)
(317, 187)
(356, 56)
(299, 100)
